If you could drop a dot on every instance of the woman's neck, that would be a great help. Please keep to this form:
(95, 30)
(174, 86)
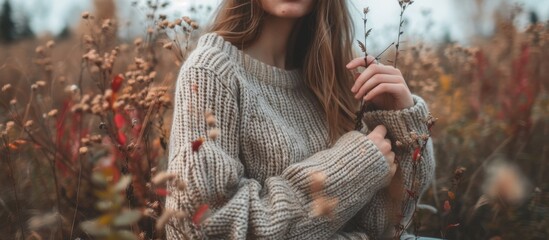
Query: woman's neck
(271, 46)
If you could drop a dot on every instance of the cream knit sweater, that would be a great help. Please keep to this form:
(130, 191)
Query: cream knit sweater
(255, 176)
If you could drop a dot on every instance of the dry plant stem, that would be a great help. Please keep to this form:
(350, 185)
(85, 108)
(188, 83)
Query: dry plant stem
(361, 110)
(397, 46)
(79, 175)
(485, 163)
(14, 186)
(45, 149)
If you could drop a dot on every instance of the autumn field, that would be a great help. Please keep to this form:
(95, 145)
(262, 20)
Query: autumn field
(85, 122)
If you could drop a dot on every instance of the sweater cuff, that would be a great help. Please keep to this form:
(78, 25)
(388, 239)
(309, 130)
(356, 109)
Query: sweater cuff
(353, 166)
(400, 123)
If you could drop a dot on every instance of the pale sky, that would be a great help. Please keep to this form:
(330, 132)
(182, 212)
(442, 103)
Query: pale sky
(447, 16)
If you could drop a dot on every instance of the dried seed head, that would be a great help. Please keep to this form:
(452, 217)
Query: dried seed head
(29, 123)
(210, 120)
(179, 184)
(163, 219)
(194, 25)
(6, 87)
(9, 125)
(214, 133)
(317, 181)
(52, 113)
(39, 50)
(163, 177)
(323, 206)
(41, 83)
(83, 150)
(187, 20)
(168, 45)
(138, 41)
(50, 44)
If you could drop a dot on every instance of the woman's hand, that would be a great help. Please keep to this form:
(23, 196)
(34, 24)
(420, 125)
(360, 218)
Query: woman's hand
(377, 136)
(382, 85)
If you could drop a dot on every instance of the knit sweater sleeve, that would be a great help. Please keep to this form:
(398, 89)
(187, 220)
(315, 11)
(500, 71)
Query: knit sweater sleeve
(241, 207)
(380, 216)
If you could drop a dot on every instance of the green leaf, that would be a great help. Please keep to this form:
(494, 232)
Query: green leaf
(123, 183)
(127, 218)
(95, 229)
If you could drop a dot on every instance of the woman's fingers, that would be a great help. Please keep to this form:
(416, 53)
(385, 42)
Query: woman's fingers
(395, 89)
(371, 71)
(379, 132)
(376, 80)
(359, 62)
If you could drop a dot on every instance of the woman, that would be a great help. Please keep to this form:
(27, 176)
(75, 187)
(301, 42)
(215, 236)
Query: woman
(278, 77)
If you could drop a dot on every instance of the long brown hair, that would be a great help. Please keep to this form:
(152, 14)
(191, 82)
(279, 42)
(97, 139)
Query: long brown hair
(322, 47)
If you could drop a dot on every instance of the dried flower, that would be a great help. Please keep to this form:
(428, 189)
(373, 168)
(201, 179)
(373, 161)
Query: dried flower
(83, 150)
(29, 123)
(506, 183)
(163, 219)
(39, 50)
(163, 177)
(168, 45)
(9, 125)
(52, 113)
(179, 184)
(41, 83)
(323, 206)
(214, 133)
(6, 87)
(194, 25)
(50, 44)
(211, 120)
(138, 41)
(317, 181)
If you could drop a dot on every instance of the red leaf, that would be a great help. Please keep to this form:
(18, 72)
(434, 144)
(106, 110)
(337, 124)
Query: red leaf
(200, 213)
(447, 206)
(122, 138)
(119, 120)
(117, 82)
(197, 143)
(416, 155)
(162, 192)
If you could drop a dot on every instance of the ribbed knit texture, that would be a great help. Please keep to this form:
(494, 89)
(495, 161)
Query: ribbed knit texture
(255, 176)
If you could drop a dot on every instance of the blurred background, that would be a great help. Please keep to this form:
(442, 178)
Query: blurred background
(87, 87)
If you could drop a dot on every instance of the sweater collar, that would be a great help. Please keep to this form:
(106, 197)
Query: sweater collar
(262, 71)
